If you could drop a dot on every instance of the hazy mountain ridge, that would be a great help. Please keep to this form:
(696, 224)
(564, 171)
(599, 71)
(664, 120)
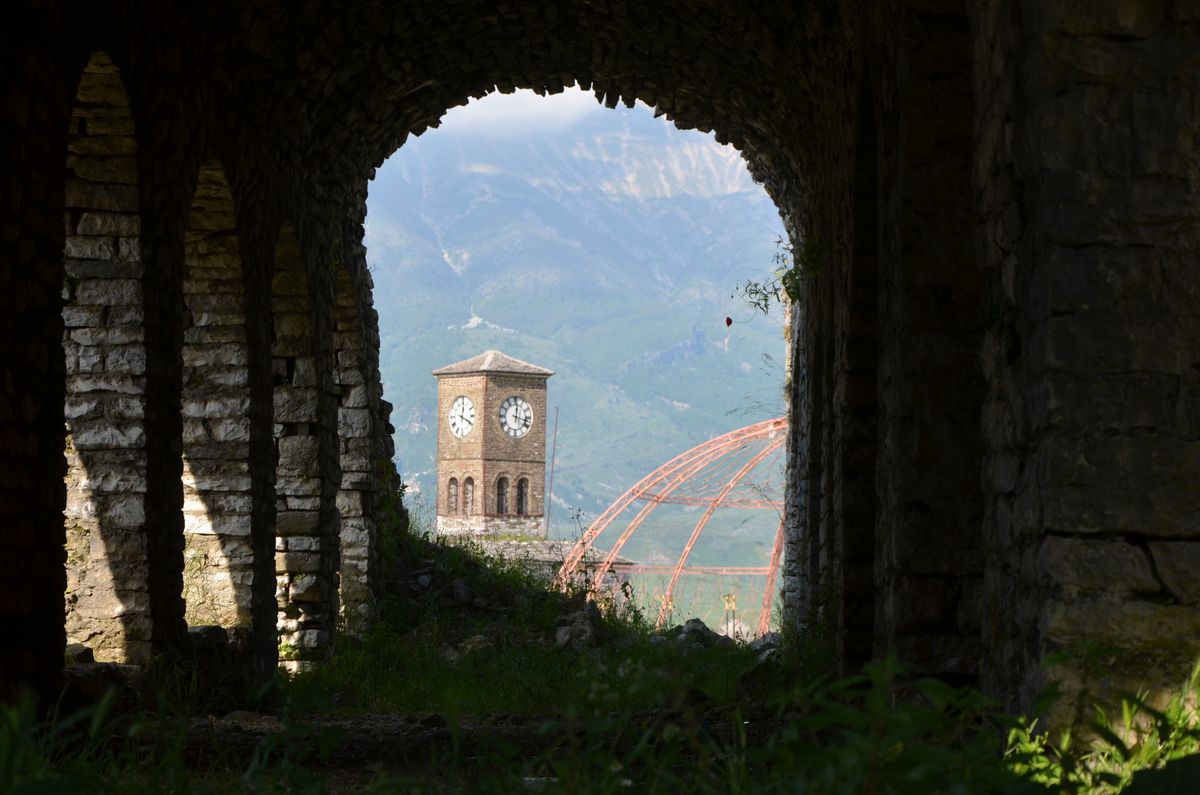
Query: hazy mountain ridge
(607, 256)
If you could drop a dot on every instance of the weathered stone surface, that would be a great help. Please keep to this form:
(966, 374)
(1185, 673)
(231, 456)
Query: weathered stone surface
(1177, 564)
(1077, 565)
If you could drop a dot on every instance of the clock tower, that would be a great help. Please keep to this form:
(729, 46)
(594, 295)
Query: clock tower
(491, 448)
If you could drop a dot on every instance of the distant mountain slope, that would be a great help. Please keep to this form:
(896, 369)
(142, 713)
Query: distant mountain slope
(605, 250)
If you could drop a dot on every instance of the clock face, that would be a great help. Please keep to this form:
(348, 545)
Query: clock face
(516, 416)
(461, 416)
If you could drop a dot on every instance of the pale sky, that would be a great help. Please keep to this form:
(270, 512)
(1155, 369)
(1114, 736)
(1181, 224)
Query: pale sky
(522, 112)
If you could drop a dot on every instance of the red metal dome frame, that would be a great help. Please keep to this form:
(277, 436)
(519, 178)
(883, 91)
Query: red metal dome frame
(661, 486)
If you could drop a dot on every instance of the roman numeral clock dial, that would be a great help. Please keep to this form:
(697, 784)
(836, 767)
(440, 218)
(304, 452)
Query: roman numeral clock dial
(516, 416)
(461, 416)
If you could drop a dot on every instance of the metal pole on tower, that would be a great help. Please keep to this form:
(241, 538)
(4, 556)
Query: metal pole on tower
(550, 480)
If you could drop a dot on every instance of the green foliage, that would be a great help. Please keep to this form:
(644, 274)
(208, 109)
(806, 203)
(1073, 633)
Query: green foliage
(636, 713)
(791, 268)
(1143, 739)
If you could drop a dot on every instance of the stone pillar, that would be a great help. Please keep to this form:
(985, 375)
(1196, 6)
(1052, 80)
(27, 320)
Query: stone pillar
(108, 602)
(357, 454)
(306, 588)
(218, 559)
(858, 415)
(35, 107)
(929, 559)
(1088, 182)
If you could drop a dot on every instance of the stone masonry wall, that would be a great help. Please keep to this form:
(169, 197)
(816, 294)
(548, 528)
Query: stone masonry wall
(304, 585)
(218, 558)
(357, 456)
(1078, 121)
(108, 587)
(1088, 181)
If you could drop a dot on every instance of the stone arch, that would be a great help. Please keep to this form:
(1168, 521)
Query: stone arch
(451, 497)
(108, 582)
(217, 493)
(305, 544)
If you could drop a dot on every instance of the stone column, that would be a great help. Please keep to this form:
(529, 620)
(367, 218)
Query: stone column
(928, 560)
(306, 580)
(218, 559)
(357, 454)
(35, 107)
(857, 399)
(1088, 181)
(108, 603)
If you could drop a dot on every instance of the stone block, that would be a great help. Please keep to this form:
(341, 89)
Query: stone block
(128, 408)
(1125, 625)
(126, 512)
(101, 269)
(99, 196)
(298, 452)
(354, 423)
(99, 125)
(308, 588)
(300, 543)
(230, 430)
(298, 562)
(288, 523)
(111, 224)
(355, 398)
(112, 479)
(1096, 565)
(129, 249)
(222, 501)
(219, 356)
(111, 169)
(312, 638)
(76, 407)
(355, 532)
(294, 326)
(107, 435)
(82, 316)
(1178, 565)
(108, 292)
(212, 523)
(216, 407)
(126, 359)
(214, 478)
(304, 372)
(295, 404)
(89, 248)
(349, 502)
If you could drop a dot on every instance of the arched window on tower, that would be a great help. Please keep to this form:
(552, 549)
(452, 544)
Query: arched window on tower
(522, 496)
(502, 496)
(452, 496)
(468, 496)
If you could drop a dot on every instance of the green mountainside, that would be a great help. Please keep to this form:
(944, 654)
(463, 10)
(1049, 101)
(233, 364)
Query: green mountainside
(607, 250)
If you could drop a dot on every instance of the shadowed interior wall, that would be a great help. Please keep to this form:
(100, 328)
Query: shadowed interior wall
(1037, 172)
(929, 555)
(859, 413)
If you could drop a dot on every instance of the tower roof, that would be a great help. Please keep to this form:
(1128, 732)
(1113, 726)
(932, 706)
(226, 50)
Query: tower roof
(493, 362)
